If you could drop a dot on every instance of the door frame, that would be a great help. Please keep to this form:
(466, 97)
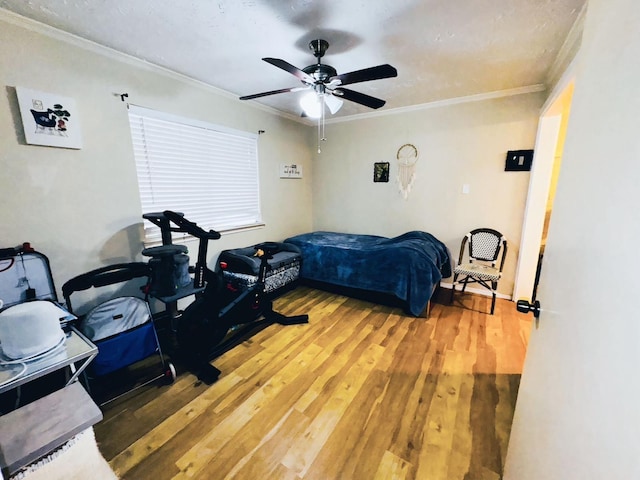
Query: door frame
(539, 186)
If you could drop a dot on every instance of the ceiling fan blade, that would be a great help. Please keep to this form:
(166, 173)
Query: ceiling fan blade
(273, 92)
(364, 75)
(287, 67)
(361, 98)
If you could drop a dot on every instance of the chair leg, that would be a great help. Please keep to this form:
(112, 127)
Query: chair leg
(464, 284)
(494, 286)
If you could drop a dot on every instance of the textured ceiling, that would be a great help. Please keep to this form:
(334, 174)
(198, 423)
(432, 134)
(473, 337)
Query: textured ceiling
(442, 49)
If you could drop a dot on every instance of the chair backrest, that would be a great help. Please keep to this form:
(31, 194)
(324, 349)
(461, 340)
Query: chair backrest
(486, 244)
(43, 118)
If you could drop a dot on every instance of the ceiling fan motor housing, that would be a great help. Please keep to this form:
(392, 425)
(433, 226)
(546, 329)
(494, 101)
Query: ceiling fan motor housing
(320, 71)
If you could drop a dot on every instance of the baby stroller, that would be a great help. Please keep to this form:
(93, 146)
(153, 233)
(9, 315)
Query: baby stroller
(122, 328)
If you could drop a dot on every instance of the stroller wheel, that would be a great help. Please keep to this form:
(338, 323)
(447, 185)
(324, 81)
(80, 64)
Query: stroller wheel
(170, 373)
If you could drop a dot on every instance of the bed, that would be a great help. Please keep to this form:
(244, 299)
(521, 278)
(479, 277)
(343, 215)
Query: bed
(408, 267)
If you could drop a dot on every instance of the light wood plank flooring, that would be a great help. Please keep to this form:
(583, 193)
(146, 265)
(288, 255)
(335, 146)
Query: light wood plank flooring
(362, 392)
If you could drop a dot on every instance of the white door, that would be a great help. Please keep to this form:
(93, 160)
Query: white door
(578, 409)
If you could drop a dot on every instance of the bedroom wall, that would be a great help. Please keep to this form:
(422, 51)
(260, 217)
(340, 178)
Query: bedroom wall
(81, 207)
(458, 144)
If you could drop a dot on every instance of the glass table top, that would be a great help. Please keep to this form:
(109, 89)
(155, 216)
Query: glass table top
(74, 348)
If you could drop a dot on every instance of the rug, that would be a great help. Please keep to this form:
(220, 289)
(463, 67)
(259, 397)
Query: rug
(77, 459)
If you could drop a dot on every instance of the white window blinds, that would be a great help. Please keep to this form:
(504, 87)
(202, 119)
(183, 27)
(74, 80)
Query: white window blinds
(207, 172)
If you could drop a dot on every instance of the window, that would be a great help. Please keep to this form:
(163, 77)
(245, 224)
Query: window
(207, 172)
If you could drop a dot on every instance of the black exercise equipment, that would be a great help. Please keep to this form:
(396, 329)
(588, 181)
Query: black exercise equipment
(221, 316)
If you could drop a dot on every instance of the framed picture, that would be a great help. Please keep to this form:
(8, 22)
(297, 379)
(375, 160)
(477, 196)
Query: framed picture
(49, 119)
(518, 161)
(381, 172)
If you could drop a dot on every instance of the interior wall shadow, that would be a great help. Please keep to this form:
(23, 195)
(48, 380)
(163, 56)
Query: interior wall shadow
(124, 246)
(14, 108)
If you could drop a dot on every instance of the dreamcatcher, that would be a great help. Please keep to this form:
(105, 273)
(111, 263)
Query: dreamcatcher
(407, 157)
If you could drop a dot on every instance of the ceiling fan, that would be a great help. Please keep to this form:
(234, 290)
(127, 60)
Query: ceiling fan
(325, 85)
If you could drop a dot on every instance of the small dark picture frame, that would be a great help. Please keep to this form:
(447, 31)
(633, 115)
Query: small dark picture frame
(518, 161)
(381, 172)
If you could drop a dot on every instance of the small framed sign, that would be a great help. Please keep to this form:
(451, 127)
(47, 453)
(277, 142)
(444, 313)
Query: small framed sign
(293, 170)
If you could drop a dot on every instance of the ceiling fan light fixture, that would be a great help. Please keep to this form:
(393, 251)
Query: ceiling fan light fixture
(310, 103)
(333, 103)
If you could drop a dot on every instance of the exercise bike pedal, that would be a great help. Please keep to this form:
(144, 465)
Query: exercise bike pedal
(284, 320)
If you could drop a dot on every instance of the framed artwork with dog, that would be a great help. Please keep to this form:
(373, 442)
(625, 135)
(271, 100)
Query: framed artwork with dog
(48, 119)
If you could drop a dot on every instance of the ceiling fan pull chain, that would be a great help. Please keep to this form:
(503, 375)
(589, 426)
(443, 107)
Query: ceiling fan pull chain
(322, 114)
(319, 150)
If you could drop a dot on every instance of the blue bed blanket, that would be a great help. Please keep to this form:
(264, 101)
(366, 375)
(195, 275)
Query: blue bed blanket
(408, 266)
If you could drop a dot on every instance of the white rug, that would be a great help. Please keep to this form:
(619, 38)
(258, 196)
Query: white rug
(78, 459)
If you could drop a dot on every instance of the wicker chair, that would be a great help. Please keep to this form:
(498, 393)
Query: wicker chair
(481, 265)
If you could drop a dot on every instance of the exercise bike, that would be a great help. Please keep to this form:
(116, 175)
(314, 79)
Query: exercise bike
(221, 316)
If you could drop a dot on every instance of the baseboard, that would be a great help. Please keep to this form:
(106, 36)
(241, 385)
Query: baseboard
(479, 291)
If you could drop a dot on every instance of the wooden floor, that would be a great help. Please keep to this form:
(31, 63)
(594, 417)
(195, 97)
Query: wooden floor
(362, 392)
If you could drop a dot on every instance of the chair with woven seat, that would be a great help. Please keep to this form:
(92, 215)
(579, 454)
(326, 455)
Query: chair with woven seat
(481, 265)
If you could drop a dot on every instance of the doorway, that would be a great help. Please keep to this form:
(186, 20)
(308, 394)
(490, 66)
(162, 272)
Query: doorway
(542, 187)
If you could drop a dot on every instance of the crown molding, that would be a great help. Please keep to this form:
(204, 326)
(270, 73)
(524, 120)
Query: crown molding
(569, 49)
(93, 47)
(443, 103)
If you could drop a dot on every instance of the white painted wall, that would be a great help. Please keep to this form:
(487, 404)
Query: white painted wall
(81, 207)
(458, 144)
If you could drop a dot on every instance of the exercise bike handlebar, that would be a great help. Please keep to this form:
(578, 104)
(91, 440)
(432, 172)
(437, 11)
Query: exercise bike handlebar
(190, 227)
